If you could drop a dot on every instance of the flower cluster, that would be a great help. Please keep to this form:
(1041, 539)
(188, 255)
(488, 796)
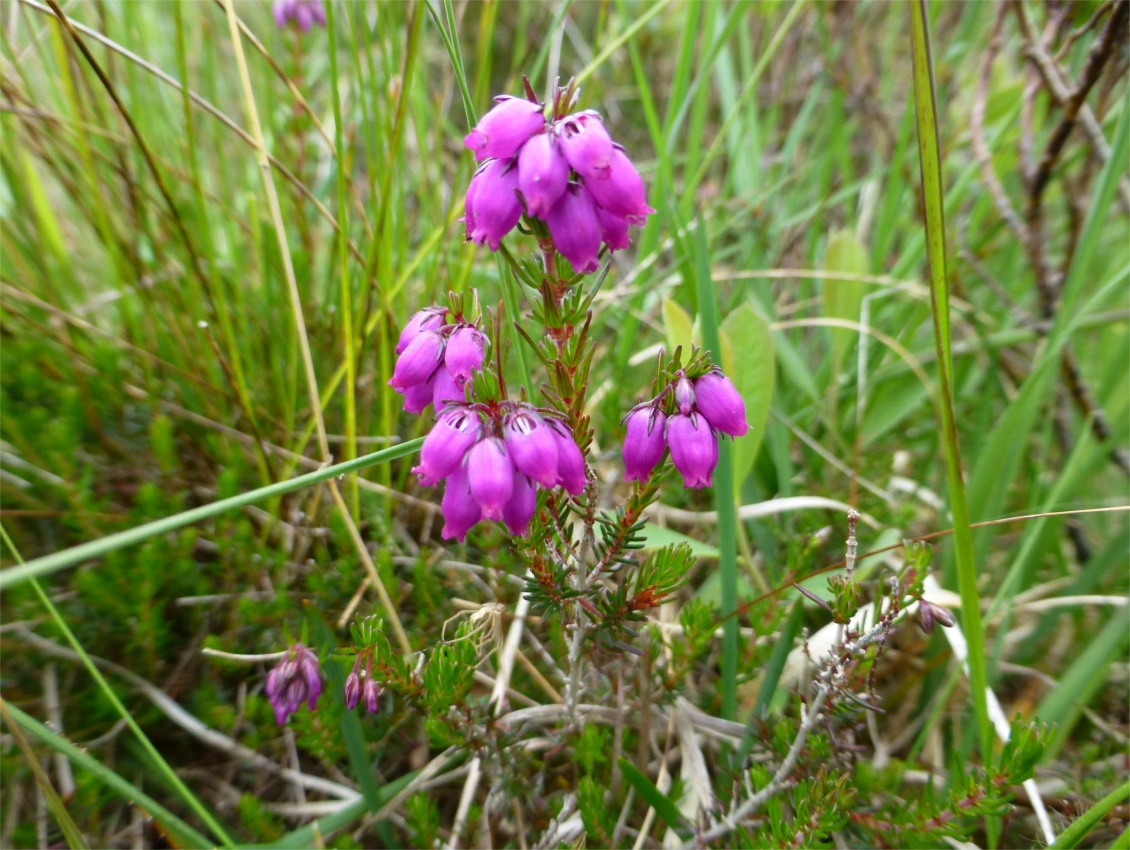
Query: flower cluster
(296, 679)
(302, 12)
(357, 687)
(567, 172)
(437, 359)
(705, 407)
(493, 456)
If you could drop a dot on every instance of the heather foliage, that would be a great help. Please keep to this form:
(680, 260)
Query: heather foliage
(523, 424)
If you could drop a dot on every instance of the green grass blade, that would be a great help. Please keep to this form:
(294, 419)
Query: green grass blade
(723, 485)
(96, 548)
(54, 802)
(1087, 821)
(929, 149)
(655, 798)
(181, 830)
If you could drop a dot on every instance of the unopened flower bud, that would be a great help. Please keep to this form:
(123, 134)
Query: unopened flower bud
(929, 614)
(371, 691)
(684, 395)
(352, 692)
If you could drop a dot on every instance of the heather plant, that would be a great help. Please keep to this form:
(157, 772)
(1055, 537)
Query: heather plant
(724, 447)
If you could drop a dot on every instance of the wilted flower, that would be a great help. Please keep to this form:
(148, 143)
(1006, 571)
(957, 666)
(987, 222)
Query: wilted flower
(929, 614)
(302, 12)
(296, 679)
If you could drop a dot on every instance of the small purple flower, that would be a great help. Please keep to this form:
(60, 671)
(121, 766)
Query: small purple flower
(543, 174)
(586, 145)
(505, 128)
(496, 205)
(418, 396)
(570, 462)
(532, 446)
(644, 442)
(371, 692)
(622, 192)
(445, 388)
(720, 402)
(302, 12)
(352, 690)
(519, 509)
(694, 449)
(575, 228)
(460, 510)
(455, 431)
(684, 394)
(490, 472)
(464, 354)
(296, 679)
(613, 229)
(428, 319)
(418, 361)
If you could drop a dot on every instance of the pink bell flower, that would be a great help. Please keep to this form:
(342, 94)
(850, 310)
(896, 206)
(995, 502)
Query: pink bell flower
(418, 361)
(622, 192)
(694, 449)
(490, 472)
(445, 388)
(464, 354)
(505, 128)
(613, 229)
(428, 319)
(586, 145)
(570, 462)
(455, 431)
(644, 442)
(519, 509)
(543, 174)
(460, 510)
(720, 402)
(496, 205)
(575, 228)
(533, 448)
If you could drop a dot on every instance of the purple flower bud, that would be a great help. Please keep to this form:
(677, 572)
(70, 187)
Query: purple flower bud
(464, 352)
(497, 208)
(372, 693)
(418, 396)
(929, 614)
(460, 510)
(575, 228)
(295, 696)
(622, 192)
(532, 446)
(445, 388)
(613, 229)
(586, 145)
(570, 462)
(684, 395)
(721, 403)
(644, 442)
(505, 128)
(543, 174)
(455, 431)
(352, 690)
(694, 450)
(491, 475)
(312, 673)
(519, 509)
(418, 361)
(428, 319)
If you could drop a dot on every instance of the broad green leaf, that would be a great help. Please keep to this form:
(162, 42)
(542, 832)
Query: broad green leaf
(678, 326)
(656, 537)
(843, 298)
(752, 371)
